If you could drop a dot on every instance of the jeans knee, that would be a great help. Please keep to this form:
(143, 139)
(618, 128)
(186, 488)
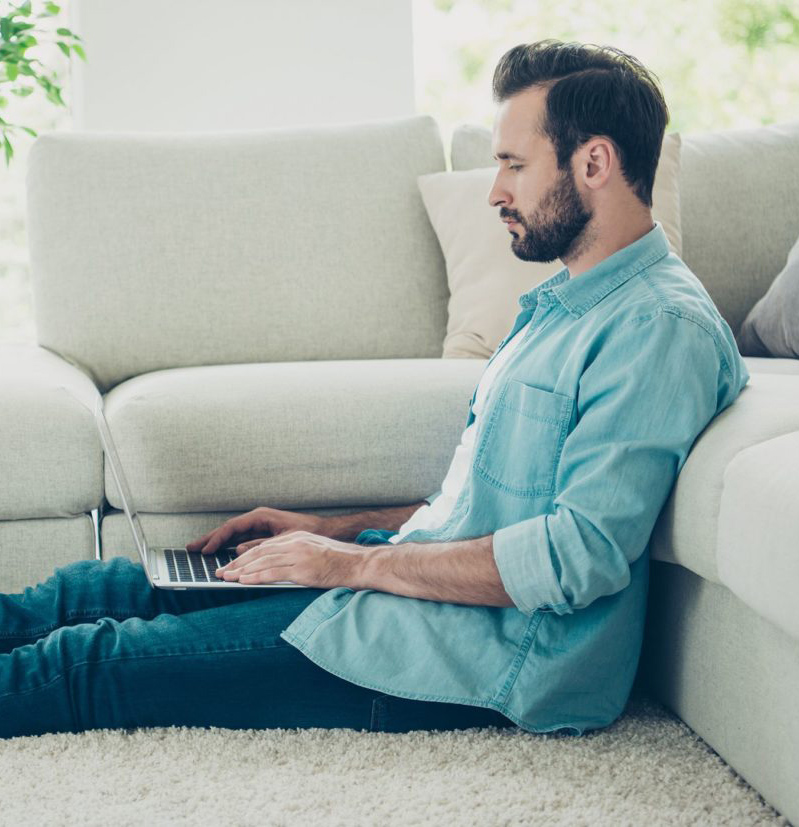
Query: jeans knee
(79, 568)
(89, 584)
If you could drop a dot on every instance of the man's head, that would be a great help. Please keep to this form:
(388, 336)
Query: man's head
(578, 135)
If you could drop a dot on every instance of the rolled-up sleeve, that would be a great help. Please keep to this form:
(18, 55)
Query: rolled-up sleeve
(642, 400)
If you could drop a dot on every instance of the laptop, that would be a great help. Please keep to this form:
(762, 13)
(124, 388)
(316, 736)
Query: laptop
(171, 568)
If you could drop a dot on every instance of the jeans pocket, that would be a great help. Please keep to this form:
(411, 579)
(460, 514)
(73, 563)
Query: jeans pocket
(521, 445)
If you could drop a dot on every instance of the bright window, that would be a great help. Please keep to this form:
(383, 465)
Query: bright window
(721, 63)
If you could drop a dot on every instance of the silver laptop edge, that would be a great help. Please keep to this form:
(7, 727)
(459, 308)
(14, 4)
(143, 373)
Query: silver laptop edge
(150, 558)
(122, 487)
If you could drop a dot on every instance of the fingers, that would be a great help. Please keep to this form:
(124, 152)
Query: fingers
(255, 550)
(214, 539)
(266, 566)
(243, 526)
(195, 544)
(242, 547)
(267, 575)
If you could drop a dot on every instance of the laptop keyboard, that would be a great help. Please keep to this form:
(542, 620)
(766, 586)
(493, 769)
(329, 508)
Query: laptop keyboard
(194, 566)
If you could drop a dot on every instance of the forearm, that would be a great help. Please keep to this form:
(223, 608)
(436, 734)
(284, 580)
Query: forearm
(463, 571)
(348, 526)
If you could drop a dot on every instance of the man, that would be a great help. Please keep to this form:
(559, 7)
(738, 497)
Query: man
(522, 599)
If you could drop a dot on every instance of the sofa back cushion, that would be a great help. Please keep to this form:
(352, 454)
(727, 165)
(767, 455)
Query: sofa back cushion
(739, 202)
(152, 251)
(740, 211)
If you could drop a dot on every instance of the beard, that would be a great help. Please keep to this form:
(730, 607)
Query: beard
(556, 228)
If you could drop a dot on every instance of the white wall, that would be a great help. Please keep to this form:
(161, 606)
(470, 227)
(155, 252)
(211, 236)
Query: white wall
(198, 65)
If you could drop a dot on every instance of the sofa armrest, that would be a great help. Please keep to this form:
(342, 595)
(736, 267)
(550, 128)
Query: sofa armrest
(51, 458)
(758, 533)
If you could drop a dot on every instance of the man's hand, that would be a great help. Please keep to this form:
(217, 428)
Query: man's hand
(299, 556)
(259, 523)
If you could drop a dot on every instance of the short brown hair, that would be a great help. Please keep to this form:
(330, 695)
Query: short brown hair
(592, 90)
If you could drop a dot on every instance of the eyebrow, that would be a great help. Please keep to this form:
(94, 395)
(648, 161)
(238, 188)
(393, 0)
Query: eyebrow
(507, 156)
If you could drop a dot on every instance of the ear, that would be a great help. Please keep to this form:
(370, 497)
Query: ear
(598, 159)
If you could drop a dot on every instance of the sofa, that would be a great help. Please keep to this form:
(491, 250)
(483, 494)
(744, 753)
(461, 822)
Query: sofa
(263, 313)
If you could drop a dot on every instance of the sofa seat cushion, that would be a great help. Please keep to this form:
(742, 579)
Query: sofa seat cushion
(686, 530)
(771, 364)
(31, 550)
(289, 434)
(758, 542)
(51, 459)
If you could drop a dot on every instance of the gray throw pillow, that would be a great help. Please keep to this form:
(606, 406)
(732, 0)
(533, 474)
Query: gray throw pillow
(771, 328)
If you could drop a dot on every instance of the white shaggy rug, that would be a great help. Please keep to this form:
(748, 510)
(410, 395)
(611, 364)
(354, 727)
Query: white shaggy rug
(646, 768)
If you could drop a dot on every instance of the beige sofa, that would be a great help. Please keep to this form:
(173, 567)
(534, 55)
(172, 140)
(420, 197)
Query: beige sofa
(264, 313)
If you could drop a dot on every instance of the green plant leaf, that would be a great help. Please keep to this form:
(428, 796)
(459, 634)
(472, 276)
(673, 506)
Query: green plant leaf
(12, 71)
(23, 91)
(8, 148)
(63, 46)
(52, 8)
(30, 131)
(3, 102)
(70, 33)
(76, 47)
(5, 28)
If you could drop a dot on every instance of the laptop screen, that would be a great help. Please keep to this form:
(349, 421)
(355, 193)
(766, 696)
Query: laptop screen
(119, 478)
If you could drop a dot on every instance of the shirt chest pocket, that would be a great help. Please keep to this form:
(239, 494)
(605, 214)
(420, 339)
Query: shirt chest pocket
(522, 442)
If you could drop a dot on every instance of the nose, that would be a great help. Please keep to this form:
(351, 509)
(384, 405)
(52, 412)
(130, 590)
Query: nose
(497, 195)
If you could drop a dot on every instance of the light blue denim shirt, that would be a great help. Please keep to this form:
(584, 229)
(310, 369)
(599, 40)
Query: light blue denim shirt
(583, 434)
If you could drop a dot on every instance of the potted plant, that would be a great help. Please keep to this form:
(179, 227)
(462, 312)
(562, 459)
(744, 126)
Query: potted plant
(19, 73)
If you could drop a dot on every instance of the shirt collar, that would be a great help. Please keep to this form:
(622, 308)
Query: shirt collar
(579, 294)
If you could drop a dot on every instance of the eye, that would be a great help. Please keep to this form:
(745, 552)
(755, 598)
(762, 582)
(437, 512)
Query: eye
(515, 166)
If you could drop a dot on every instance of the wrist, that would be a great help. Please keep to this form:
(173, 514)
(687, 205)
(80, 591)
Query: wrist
(337, 527)
(376, 569)
(368, 571)
(349, 526)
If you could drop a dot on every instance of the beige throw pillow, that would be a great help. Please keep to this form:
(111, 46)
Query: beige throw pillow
(485, 277)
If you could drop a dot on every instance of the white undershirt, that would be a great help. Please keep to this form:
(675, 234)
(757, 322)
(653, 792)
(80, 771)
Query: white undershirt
(432, 516)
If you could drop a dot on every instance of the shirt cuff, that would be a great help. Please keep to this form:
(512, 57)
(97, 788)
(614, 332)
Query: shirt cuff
(521, 552)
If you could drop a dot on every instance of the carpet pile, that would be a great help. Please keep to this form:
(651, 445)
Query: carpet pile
(646, 768)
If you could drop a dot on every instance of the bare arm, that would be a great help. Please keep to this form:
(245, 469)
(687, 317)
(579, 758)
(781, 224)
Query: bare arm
(348, 526)
(463, 571)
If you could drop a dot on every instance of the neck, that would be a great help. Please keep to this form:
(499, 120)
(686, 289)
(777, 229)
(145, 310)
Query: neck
(600, 241)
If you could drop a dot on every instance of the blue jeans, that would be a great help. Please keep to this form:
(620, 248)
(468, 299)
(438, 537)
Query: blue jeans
(95, 646)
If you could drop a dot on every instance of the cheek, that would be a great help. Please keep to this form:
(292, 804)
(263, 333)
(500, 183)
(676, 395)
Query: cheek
(530, 188)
